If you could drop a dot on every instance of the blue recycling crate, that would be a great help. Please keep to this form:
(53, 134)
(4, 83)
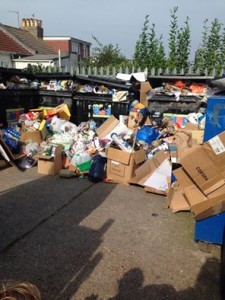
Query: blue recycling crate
(215, 117)
(211, 229)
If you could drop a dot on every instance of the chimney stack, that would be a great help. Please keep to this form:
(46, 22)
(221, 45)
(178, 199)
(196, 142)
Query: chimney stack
(34, 26)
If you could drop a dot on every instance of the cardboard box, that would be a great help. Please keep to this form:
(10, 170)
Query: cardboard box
(215, 149)
(107, 127)
(34, 136)
(202, 206)
(61, 110)
(193, 194)
(196, 133)
(144, 89)
(183, 141)
(121, 165)
(153, 174)
(49, 165)
(202, 169)
(111, 125)
(135, 118)
(176, 199)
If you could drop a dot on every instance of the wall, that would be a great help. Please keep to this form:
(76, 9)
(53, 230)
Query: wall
(24, 64)
(5, 60)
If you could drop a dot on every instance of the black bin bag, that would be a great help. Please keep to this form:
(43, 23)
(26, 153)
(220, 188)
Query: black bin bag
(98, 167)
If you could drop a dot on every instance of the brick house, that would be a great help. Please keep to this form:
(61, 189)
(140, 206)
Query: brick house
(27, 45)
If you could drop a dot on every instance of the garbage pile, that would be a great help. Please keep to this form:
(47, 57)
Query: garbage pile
(16, 82)
(131, 150)
(179, 89)
(169, 158)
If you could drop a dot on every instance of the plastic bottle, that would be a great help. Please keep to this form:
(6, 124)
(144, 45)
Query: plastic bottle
(76, 160)
(80, 158)
(123, 145)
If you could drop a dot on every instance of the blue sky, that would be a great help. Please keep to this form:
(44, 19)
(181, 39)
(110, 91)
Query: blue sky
(117, 22)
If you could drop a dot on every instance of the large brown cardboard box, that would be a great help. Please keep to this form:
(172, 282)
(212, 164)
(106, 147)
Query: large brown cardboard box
(34, 136)
(202, 206)
(203, 168)
(49, 165)
(215, 149)
(121, 164)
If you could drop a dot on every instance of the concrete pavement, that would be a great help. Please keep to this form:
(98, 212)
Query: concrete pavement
(76, 239)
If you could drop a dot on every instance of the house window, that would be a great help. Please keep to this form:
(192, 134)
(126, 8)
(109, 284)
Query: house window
(75, 47)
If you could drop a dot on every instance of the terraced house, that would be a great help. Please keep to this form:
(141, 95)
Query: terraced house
(28, 45)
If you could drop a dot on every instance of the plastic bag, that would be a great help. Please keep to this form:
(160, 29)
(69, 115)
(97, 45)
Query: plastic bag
(147, 134)
(97, 170)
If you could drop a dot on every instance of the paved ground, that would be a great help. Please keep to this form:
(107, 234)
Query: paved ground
(78, 240)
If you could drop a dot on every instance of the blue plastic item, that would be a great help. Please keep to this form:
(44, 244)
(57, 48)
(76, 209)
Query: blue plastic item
(215, 117)
(11, 138)
(211, 229)
(147, 134)
(97, 170)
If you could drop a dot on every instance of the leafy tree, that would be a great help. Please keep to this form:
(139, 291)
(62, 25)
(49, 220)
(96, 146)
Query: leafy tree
(211, 54)
(141, 48)
(33, 68)
(183, 46)
(172, 59)
(152, 48)
(105, 55)
(213, 45)
(221, 54)
(161, 55)
(199, 60)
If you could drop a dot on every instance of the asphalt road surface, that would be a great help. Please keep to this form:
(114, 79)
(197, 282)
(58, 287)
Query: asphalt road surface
(77, 240)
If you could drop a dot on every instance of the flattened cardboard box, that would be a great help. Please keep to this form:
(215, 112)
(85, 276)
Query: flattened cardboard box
(49, 165)
(196, 132)
(215, 149)
(107, 127)
(202, 169)
(151, 176)
(111, 125)
(121, 165)
(202, 206)
(176, 199)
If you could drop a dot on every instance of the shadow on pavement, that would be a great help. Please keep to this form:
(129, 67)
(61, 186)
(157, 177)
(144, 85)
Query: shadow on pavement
(42, 240)
(130, 287)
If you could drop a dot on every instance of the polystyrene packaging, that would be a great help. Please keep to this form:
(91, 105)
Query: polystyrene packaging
(123, 145)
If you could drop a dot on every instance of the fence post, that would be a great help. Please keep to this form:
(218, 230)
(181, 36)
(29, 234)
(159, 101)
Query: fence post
(214, 72)
(114, 72)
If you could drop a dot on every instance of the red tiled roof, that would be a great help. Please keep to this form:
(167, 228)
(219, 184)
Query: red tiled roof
(7, 44)
(24, 38)
(56, 45)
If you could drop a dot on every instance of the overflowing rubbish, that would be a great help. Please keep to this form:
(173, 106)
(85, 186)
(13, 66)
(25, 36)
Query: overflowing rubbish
(168, 155)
